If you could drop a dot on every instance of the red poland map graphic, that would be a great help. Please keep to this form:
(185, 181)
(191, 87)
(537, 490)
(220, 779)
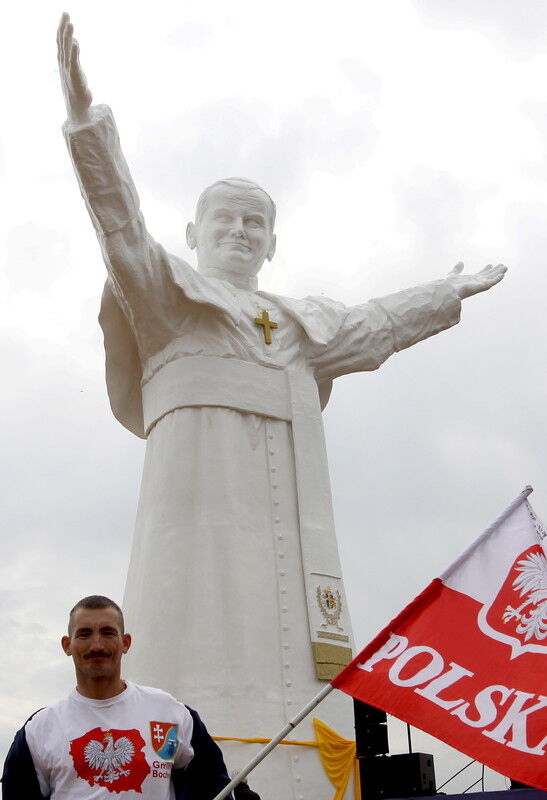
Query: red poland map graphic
(112, 759)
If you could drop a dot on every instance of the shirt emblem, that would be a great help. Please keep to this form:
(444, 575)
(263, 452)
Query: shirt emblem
(165, 739)
(113, 759)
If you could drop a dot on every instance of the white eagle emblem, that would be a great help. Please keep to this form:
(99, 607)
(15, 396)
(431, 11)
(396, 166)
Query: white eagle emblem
(109, 757)
(532, 585)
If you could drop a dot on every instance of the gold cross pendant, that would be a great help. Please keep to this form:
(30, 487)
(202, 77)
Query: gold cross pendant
(267, 325)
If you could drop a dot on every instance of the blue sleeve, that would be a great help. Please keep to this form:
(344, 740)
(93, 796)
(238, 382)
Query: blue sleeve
(206, 774)
(19, 779)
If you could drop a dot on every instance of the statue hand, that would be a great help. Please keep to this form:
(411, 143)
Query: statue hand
(75, 90)
(467, 285)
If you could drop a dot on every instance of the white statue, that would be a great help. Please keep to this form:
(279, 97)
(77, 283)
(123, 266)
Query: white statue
(234, 591)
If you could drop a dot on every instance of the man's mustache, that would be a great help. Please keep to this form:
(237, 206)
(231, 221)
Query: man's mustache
(97, 654)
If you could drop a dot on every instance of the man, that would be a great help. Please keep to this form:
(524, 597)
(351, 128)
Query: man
(234, 553)
(110, 734)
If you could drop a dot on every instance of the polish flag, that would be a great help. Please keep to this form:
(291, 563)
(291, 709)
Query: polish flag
(466, 661)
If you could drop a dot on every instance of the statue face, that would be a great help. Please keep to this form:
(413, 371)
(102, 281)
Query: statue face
(234, 231)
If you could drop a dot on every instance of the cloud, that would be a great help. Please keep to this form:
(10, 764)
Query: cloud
(59, 494)
(189, 34)
(537, 112)
(367, 82)
(36, 256)
(441, 209)
(239, 138)
(519, 27)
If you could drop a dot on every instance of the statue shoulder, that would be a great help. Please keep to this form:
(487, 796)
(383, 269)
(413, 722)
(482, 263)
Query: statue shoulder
(320, 316)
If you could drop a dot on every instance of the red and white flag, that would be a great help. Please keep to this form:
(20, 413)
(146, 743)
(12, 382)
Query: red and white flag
(466, 661)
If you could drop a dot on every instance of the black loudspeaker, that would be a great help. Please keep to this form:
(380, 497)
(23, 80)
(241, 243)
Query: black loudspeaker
(370, 730)
(405, 775)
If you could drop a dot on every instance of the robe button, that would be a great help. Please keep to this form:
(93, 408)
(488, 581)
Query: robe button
(270, 436)
(285, 628)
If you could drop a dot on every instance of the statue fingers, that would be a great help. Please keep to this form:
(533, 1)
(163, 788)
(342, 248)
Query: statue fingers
(74, 67)
(75, 55)
(67, 39)
(485, 269)
(492, 268)
(457, 268)
(79, 87)
(498, 272)
(489, 276)
(61, 40)
(60, 28)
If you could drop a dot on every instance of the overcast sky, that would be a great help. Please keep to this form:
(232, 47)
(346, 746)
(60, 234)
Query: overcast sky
(397, 138)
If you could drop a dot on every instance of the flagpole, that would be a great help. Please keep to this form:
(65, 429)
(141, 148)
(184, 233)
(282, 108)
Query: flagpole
(274, 742)
(472, 547)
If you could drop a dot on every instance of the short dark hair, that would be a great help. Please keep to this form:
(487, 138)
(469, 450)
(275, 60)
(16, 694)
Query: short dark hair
(95, 601)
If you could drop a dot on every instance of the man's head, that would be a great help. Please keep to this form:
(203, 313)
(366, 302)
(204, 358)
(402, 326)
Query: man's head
(96, 642)
(233, 231)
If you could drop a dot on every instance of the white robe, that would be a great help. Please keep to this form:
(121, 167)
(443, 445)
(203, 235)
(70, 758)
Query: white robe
(220, 568)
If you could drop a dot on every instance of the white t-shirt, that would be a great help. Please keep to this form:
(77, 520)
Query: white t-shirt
(86, 749)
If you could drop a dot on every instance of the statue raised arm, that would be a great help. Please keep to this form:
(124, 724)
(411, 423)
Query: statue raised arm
(234, 587)
(139, 285)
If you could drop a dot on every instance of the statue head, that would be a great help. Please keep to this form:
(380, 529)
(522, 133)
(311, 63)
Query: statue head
(233, 231)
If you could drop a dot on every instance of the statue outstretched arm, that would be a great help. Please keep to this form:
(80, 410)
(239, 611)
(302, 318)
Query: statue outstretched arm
(372, 332)
(138, 266)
